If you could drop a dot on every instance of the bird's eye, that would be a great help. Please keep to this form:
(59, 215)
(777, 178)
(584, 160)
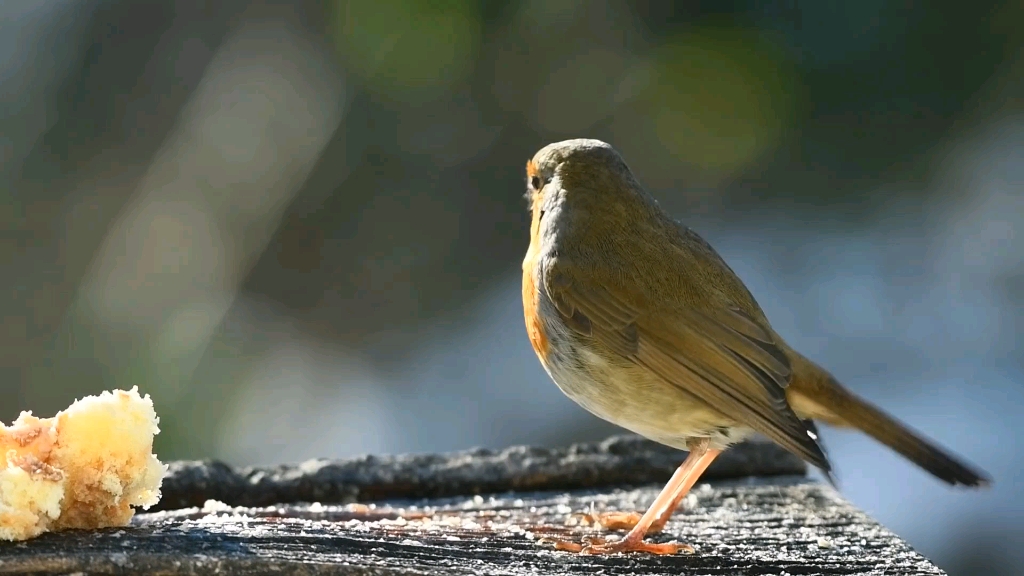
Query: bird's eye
(535, 182)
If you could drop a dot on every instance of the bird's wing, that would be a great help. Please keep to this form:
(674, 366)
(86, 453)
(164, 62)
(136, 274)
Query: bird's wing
(723, 358)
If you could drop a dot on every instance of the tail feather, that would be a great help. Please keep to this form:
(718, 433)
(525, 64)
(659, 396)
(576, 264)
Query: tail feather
(814, 393)
(884, 428)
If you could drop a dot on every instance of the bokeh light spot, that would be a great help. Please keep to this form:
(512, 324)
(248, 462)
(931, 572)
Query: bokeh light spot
(718, 99)
(408, 49)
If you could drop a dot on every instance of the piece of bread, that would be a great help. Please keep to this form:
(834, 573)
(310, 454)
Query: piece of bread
(84, 468)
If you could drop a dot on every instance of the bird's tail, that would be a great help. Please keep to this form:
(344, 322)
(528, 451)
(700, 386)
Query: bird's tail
(827, 400)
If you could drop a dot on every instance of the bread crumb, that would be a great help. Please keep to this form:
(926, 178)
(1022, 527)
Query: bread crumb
(87, 467)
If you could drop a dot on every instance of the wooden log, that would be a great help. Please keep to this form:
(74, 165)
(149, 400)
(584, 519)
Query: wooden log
(480, 512)
(618, 460)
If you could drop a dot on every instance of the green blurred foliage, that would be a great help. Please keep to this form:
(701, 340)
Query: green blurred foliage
(407, 50)
(720, 98)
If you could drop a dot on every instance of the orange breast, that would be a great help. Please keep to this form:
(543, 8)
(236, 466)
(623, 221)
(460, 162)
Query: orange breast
(531, 309)
(531, 293)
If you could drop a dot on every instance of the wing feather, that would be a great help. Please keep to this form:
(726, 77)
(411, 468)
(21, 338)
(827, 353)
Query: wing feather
(725, 358)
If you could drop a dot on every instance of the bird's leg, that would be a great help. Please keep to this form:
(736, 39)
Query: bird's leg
(628, 520)
(703, 462)
(659, 512)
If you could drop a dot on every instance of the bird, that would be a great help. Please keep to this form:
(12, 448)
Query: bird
(637, 319)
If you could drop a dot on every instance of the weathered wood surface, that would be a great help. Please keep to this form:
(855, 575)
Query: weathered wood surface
(618, 460)
(780, 524)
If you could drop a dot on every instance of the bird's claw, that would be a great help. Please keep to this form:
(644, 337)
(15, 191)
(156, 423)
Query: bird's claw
(598, 546)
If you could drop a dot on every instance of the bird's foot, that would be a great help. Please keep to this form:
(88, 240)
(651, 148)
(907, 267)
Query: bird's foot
(631, 544)
(619, 521)
(598, 546)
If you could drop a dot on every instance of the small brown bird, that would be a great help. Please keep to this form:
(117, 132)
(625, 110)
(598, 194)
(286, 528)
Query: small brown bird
(637, 319)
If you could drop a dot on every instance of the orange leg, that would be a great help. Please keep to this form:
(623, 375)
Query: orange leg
(629, 520)
(658, 513)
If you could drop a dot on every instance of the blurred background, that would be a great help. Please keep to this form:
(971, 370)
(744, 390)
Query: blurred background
(299, 225)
